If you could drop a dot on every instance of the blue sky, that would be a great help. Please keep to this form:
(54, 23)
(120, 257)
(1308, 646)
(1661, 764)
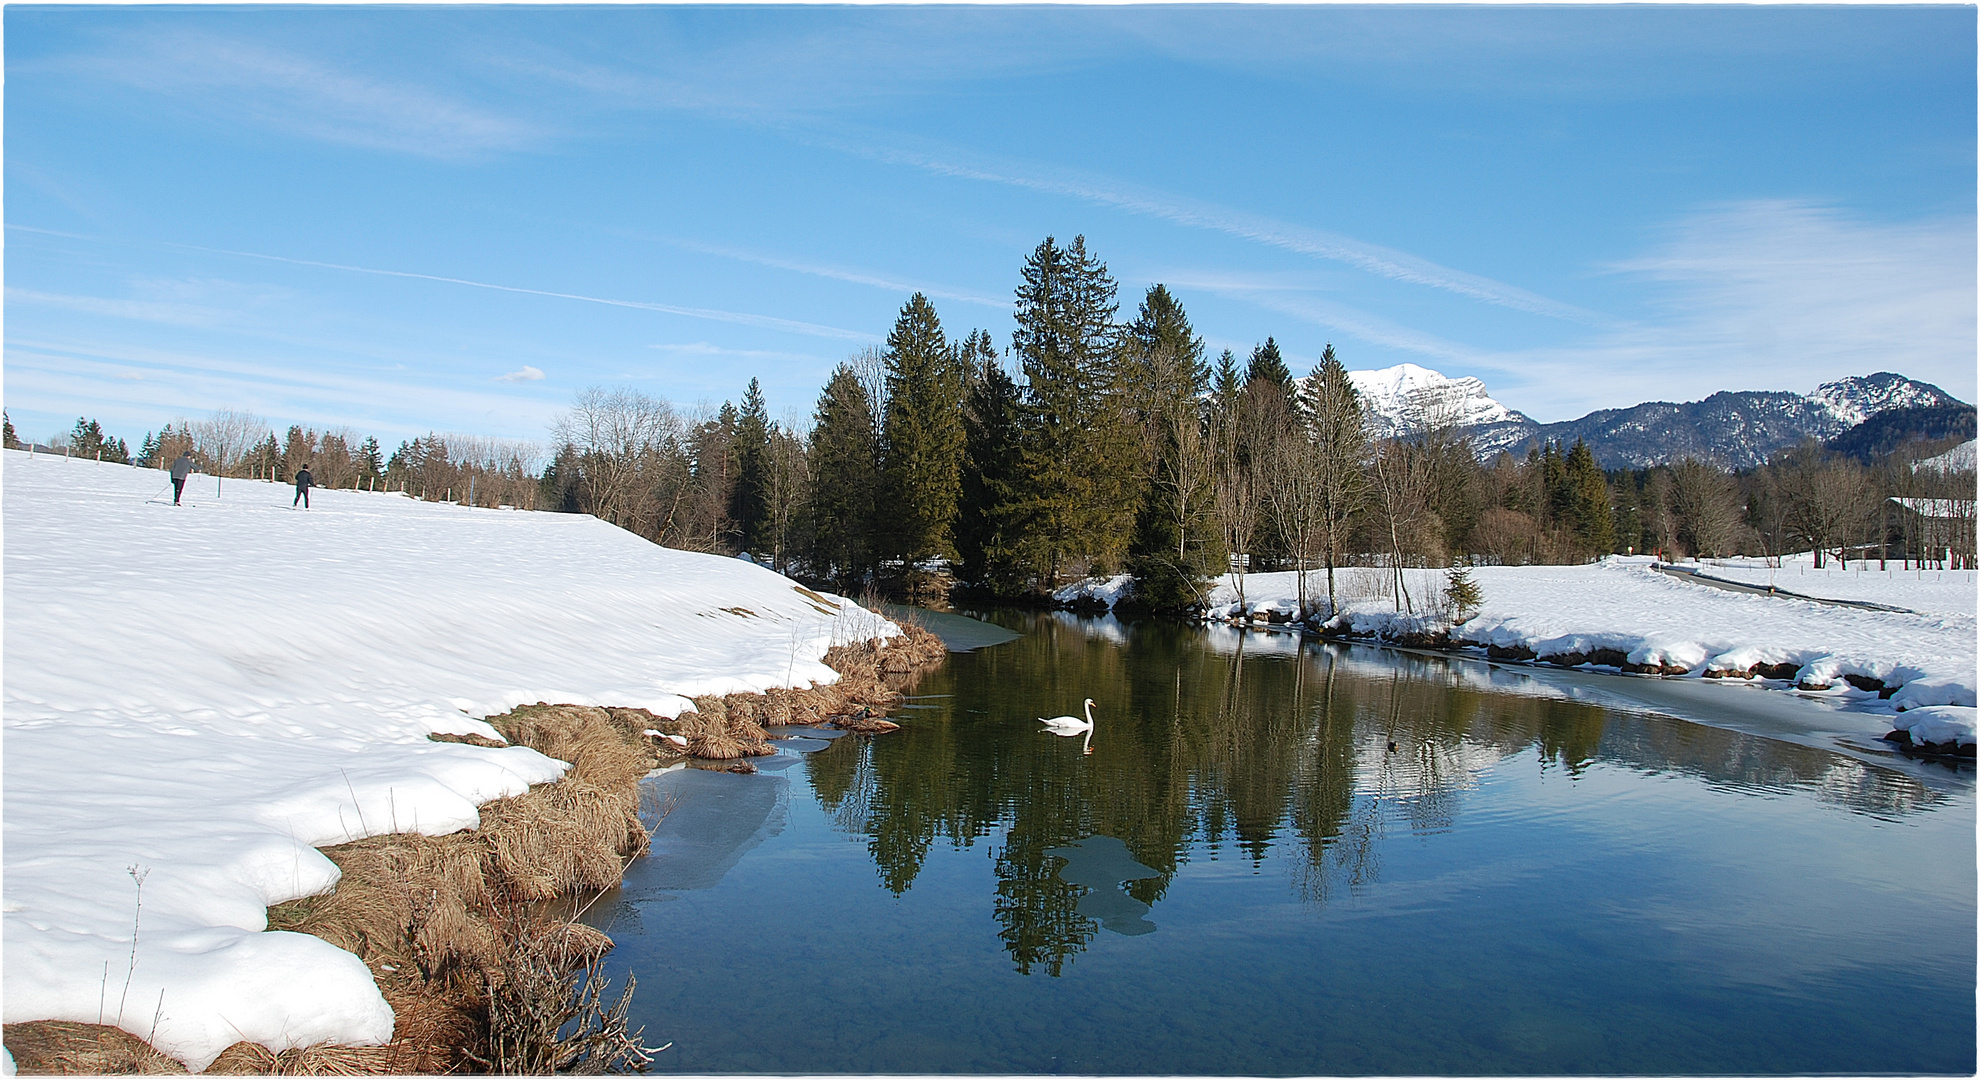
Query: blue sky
(453, 219)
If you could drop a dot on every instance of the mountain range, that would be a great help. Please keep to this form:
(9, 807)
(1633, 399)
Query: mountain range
(1736, 428)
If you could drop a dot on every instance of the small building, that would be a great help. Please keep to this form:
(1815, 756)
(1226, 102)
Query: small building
(1938, 533)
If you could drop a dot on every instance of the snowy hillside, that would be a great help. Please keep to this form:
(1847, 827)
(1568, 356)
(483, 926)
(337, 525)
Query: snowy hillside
(198, 696)
(1959, 459)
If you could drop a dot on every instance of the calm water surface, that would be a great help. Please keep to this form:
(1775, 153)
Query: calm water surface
(1242, 877)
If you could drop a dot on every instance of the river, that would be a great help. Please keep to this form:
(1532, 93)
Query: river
(1244, 877)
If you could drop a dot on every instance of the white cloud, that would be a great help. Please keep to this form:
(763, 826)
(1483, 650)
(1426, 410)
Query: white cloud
(526, 374)
(771, 322)
(242, 81)
(1772, 295)
(156, 311)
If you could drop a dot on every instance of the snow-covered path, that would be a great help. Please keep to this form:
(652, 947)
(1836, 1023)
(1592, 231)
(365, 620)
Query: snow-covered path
(197, 696)
(1928, 592)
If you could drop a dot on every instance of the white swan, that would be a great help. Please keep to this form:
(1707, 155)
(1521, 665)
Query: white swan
(1070, 725)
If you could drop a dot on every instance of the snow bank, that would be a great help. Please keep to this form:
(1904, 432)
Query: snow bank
(1939, 724)
(1105, 590)
(196, 697)
(1621, 608)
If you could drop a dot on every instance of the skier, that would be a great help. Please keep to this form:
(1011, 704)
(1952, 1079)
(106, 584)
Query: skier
(303, 481)
(181, 469)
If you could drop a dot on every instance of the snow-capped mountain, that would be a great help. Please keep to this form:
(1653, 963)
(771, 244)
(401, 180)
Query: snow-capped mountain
(1859, 397)
(1739, 429)
(1402, 398)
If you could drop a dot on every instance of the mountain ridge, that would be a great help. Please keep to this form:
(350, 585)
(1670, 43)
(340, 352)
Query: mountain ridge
(1738, 429)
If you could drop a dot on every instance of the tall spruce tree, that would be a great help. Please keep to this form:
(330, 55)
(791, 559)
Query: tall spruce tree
(1079, 456)
(1587, 500)
(1271, 407)
(749, 506)
(922, 438)
(1176, 543)
(1266, 363)
(1340, 435)
(845, 481)
(992, 519)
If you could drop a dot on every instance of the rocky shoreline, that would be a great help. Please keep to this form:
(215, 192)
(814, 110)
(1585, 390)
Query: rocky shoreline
(1794, 675)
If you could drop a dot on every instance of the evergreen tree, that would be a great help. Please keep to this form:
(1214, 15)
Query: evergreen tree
(1267, 366)
(147, 451)
(1176, 542)
(749, 506)
(1078, 453)
(559, 490)
(370, 459)
(7, 438)
(845, 480)
(1227, 381)
(86, 440)
(266, 457)
(992, 518)
(1340, 435)
(1462, 592)
(1587, 500)
(922, 437)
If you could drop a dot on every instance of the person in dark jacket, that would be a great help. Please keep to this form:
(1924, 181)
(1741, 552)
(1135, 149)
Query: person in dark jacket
(181, 469)
(303, 482)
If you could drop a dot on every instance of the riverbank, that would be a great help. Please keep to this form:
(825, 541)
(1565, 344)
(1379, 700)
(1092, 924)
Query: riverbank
(1621, 616)
(200, 697)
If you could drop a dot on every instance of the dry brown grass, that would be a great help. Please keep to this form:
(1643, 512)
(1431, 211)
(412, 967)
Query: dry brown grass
(449, 925)
(254, 1059)
(43, 1047)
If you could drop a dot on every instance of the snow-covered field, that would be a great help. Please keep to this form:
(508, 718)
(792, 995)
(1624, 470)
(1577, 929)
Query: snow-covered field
(198, 696)
(1935, 592)
(1621, 604)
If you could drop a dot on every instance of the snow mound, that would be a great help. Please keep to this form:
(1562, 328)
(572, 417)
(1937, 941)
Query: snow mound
(1939, 724)
(198, 696)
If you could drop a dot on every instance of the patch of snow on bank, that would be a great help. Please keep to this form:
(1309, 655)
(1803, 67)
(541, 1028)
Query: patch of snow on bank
(1621, 604)
(196, 697)
(1106, 590)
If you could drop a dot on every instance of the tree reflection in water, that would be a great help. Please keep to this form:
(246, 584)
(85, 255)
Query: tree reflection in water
(1212, 742)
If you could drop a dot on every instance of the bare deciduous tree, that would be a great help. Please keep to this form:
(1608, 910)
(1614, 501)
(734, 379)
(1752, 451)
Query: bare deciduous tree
(1704, 500)
(626, 444)
(225, 438)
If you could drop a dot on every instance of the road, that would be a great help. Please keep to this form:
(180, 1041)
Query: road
(1765, 590)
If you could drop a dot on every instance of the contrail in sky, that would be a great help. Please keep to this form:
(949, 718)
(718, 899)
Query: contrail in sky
(1194, 213)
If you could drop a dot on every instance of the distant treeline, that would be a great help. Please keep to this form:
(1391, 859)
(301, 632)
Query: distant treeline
(1105, 446)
